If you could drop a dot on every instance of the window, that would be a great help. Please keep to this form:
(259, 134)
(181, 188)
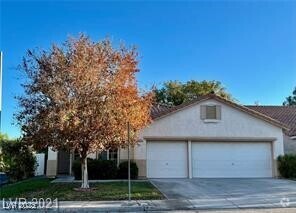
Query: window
(103, 155)
(210, 112)
(108, 155)
(113, 155)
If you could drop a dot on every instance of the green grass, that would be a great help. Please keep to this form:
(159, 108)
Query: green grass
(22, 188)
(42, 188)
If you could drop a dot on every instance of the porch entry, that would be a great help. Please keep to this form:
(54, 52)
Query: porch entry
(63, 163)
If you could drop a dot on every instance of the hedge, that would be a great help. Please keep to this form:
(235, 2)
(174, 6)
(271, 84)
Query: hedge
(123, 170)
(287, 165)
(16, 160)
(104, 170)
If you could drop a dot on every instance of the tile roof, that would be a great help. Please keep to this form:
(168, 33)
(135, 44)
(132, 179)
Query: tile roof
(284, 114)
(284, 122)
(158, 109)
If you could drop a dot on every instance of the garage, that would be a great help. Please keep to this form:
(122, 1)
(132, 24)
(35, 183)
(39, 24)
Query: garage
(170, 159)
(231, 159)
(166, 159)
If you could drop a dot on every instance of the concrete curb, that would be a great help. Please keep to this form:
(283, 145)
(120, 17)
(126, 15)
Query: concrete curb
(143, 206)
(96, 181)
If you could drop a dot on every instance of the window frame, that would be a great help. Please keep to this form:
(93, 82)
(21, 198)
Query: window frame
(203, 112)
(108, 156)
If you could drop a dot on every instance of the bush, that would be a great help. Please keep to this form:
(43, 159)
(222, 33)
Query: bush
(287, 165)
(104, 169)
(123, 170)
(76, 169)
(97, 169)
(16, 160)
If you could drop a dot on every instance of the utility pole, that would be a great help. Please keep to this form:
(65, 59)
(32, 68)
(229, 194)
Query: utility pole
(129, 161)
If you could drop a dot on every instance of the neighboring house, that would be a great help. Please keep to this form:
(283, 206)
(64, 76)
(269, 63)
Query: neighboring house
(209, 137)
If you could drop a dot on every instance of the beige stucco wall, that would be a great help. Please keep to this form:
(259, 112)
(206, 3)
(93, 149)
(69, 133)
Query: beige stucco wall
(140, 157)
(52, 155)
(234, 123)
(92, 155)
(142, 168)
(123, 154)
(51, 168)
(187, 123)
(289, 145)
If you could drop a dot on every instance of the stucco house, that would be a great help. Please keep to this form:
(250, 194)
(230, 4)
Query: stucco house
(209, 137)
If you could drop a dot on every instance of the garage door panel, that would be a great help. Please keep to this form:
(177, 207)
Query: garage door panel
(166, 159)
(219, 159)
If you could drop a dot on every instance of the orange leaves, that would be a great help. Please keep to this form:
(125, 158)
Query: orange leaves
(87, 92)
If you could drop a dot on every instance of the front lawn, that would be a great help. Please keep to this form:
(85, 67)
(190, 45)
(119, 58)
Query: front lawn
(42, 188)
(21, 188)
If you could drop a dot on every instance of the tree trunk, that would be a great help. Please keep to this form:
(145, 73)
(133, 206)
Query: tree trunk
(84, 174)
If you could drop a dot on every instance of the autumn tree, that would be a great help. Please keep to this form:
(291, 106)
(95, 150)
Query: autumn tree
(80, 96)
(176, 92)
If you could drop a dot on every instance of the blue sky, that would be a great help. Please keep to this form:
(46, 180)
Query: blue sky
(249, 46)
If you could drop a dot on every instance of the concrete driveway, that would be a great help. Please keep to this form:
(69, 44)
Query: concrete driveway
(230, 193)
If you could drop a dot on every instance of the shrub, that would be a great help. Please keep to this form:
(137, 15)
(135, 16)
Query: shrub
(16, 160)
(287, 165)
(123, 170)
(76, 169)
(97, 169)
(104, 169)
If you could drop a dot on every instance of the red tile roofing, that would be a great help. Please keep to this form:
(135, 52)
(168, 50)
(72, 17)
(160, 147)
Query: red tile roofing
(284, 114)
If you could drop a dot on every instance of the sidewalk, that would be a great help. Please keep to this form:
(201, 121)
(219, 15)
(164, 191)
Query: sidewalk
(164, 205)
(169, 205)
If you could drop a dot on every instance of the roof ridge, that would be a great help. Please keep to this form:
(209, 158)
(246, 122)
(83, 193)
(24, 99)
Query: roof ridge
(285, 116)
(163, 104)
(219, 98)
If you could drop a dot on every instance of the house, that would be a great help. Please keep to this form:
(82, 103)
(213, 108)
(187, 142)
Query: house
(209, 137)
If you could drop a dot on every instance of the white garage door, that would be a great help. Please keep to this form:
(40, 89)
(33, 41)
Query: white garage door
(167, 159)
(228, 160)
